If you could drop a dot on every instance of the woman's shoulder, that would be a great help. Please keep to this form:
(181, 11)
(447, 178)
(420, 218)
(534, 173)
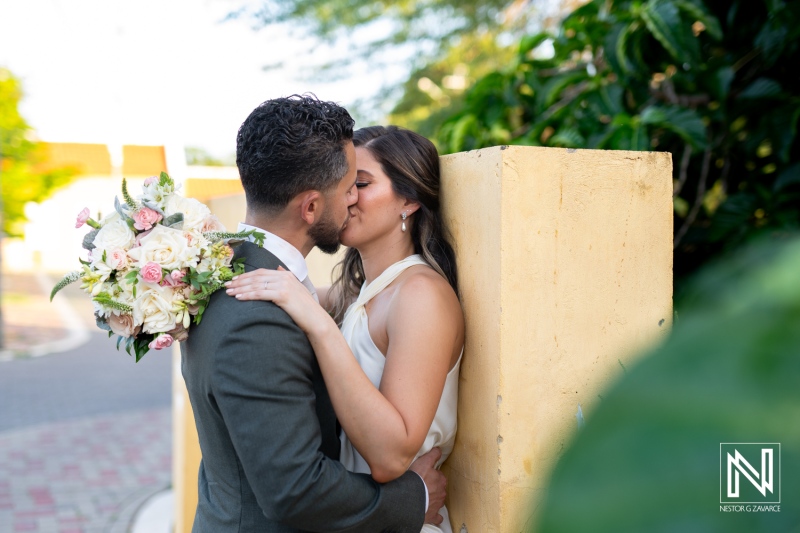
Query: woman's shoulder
(421, 285)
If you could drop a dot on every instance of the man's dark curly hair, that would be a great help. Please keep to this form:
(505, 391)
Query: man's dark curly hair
(290, 145)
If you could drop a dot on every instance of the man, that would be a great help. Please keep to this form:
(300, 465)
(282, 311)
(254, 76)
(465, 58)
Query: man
(268, 433)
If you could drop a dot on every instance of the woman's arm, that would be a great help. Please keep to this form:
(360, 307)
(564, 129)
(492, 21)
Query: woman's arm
(424, 325)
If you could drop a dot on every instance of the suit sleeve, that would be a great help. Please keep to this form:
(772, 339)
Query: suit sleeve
(263, 387)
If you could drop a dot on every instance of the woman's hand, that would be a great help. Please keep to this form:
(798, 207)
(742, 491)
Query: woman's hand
(283, 289)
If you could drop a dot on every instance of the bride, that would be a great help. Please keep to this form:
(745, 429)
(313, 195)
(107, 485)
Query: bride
(389, 332)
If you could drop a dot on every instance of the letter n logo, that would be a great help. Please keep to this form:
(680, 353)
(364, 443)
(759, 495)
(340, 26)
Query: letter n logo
(750, 472)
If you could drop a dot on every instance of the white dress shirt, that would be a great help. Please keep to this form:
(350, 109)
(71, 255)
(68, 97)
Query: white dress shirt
(287, 253)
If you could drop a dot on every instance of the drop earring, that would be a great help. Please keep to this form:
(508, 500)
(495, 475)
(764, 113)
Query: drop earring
(403, 225)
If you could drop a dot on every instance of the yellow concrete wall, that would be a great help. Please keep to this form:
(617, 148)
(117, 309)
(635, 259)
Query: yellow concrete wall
(565, 262)
(185, 450)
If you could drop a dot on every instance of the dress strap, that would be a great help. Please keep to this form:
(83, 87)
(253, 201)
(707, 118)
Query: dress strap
(370, 290)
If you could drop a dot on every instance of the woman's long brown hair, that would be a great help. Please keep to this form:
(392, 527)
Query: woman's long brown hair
(412, 164)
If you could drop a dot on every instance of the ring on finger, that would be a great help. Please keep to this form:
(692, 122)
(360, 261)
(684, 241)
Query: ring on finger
(265, 285)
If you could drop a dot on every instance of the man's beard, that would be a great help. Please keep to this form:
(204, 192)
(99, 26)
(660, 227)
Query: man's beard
(325, 235)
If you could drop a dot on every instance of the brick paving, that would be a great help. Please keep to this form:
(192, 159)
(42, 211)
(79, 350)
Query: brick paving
(89, 475)
(85, 435)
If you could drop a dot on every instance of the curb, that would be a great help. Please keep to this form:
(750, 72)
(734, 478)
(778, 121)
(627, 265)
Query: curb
(77, 334)
(156, 514)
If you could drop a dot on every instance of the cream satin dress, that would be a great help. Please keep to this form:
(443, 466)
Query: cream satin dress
(355, 329)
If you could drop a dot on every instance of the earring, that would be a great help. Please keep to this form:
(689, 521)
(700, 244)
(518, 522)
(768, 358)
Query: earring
(403, 225)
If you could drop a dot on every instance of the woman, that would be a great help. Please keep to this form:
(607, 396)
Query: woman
(392, 369)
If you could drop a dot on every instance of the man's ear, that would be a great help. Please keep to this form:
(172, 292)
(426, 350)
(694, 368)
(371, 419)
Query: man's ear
(311, 205)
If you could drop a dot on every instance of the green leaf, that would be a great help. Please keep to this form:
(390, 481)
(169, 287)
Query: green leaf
(761, 88)
(772, 40)
(648, 458)
(72, 277)
(174, 221)
(102, 323)
(722, 82)
(132, 204)
(88, 239)
(697, 10)
(789, 176)
(567, 138)
(664, 22)
(684, 122)
(552, 90)
(529, 42)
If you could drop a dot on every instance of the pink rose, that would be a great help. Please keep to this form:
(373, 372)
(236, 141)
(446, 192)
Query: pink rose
(179, 334)
(123, 325)
(117, 259)
(83, 216)
(145, 218)
(151, 272)
(177, 275)
(161, 342)
(151, 180)
(211, 223)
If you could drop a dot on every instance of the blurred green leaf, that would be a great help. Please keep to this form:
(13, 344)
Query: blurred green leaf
(648, 458)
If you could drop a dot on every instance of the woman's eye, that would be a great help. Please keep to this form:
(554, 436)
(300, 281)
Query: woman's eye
(361, 185)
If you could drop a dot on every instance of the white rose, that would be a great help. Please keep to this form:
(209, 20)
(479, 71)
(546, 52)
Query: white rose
(194, 211)
(166, 246)
(114, 234)
(154, 309)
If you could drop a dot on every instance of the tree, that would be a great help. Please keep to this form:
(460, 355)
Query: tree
(20, 182)
(711, 81)
(196, 155)
(446, 44)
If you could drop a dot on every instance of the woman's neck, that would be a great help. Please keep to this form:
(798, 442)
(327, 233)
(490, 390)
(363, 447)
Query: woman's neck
(378, 256)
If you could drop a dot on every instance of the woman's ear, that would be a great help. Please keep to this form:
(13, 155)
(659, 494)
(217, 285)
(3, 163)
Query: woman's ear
(410, 207)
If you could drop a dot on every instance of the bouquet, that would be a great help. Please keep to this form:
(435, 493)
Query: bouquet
(153, 264)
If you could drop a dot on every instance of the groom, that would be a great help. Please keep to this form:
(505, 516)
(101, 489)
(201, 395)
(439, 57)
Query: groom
(268, 433)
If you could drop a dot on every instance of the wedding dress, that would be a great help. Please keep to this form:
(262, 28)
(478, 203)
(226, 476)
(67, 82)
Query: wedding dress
(356, 331)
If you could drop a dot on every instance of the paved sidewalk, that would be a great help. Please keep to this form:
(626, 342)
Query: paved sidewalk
(85, 432)
(89, 476)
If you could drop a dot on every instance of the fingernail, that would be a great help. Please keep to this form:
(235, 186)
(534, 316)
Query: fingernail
(235, 277)
(227, 283)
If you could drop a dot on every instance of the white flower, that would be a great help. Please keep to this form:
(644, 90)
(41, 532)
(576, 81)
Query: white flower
(154, 309)
(166, 246)
(157, 194)
(194, 212)
(115, 233)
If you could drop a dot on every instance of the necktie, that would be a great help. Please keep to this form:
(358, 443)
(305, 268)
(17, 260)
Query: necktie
(310, 287)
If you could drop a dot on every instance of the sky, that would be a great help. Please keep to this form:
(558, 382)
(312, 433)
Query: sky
(156, 71)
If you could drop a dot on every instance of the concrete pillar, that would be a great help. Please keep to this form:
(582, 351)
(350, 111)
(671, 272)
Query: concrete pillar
(565, 263)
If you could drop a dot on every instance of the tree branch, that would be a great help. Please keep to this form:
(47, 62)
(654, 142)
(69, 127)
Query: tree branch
(698, 201)
(687, 155)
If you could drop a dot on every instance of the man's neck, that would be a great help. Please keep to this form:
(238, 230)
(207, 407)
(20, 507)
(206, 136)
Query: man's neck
(295, 235)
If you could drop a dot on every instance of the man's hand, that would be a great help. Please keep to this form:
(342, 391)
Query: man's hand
(436, 483)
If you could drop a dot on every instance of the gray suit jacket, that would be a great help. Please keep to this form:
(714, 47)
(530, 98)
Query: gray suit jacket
(268, 432)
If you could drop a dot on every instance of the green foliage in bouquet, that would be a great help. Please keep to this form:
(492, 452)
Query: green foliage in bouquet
(648, 458)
